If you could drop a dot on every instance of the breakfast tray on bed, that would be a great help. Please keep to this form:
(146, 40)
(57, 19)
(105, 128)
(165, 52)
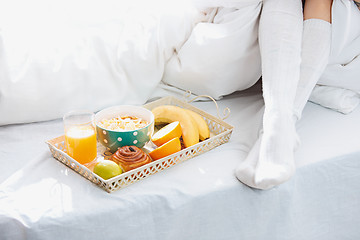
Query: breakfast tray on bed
(220, 134)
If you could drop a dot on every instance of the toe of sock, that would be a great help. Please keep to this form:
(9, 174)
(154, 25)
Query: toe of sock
(268, 175)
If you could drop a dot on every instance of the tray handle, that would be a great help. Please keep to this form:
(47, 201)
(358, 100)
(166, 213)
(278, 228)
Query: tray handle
(225, 113)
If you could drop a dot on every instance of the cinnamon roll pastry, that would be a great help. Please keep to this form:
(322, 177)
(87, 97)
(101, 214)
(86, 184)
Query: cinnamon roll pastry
(130, 157)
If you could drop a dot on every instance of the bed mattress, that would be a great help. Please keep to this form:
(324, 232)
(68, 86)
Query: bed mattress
(201, 198)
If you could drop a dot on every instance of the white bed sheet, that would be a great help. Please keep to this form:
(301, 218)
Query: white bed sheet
(41, 198)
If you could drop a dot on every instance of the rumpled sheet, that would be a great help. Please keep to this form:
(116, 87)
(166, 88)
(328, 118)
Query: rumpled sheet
(40, 198)
(63, 55)
(339, 99)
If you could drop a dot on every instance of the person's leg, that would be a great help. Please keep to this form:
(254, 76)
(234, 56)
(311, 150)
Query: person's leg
(318, 9)
(271, 160)
(315, 49)
(314, 54)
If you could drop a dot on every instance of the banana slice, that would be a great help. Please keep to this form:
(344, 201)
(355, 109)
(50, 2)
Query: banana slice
(189, 128)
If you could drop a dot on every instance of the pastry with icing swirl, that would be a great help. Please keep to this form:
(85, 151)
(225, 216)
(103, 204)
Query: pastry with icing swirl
(130, 157)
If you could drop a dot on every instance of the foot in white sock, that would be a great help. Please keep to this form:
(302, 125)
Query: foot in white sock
(272, 157)
(270, 162)
(276, 158)
(245, 172)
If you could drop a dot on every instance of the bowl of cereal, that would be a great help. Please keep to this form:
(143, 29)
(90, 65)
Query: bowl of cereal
(124, 125)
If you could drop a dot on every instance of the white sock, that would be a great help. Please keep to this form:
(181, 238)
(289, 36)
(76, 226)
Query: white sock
(314, 58)
(271, 161)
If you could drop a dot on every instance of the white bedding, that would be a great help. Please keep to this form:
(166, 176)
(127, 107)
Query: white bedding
(41, 198)
(60, 56)
(54, 59)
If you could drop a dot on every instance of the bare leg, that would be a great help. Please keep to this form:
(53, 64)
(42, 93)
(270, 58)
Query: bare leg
(271, 160)
(318, 9)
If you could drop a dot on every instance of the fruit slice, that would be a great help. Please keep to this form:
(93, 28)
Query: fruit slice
(165, 134)
(107, 169)
(166, 149)
(204, 131)
(169, 113)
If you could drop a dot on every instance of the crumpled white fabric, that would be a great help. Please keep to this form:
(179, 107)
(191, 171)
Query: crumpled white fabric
(67, 55)
(338, 99)
(63, 55)
(222, 53)
(343, 69)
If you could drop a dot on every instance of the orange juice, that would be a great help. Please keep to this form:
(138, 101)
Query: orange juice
(81, 143)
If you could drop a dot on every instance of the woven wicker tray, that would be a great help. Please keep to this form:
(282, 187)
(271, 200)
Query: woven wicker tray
(220, 134)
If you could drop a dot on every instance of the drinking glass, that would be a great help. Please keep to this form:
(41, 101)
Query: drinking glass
(80, 135)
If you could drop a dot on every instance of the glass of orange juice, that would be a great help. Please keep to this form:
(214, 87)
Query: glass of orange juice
(80, 136)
